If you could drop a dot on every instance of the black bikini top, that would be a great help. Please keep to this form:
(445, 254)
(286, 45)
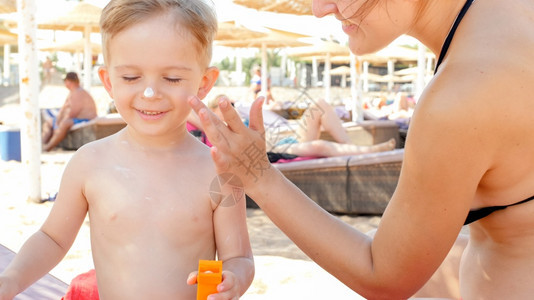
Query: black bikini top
(476, 214)
(449, 37)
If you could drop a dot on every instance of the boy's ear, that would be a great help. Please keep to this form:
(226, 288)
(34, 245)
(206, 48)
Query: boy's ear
(207, 82)
(104, 77)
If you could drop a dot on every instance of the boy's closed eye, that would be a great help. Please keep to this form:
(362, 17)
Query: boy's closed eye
(130, 78)
(173, 79)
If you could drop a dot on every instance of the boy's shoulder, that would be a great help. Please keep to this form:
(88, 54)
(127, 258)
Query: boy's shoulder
(200, 155)
(97, 150)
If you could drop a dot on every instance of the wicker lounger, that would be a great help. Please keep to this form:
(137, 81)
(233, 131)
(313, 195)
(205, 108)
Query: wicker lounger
(359, 184)
(48, 287)
(372, 181)
(95, 129)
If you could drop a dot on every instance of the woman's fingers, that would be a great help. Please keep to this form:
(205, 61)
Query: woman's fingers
(214, 128)
(256, 116)
(230, 115)
(236, 149)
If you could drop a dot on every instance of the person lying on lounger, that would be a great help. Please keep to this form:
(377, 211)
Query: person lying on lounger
(78, 107)
(306, 138)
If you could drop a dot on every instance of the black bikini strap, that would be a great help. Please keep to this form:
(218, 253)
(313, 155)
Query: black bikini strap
(448, 40)
(480, 213)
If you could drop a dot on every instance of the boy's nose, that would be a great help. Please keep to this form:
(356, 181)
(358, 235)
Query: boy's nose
(149, 93)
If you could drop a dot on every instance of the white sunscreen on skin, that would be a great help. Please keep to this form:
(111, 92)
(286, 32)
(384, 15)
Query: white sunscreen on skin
(149, 92)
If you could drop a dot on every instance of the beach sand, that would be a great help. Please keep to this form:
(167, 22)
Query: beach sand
(283, 271)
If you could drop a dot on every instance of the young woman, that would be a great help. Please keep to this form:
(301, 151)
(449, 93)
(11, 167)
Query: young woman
(468, 155)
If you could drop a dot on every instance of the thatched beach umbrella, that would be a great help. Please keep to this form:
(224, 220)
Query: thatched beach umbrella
(392, 52)
(75, 47)
(83, 17)
(8, 37)
(395, 53)
(295, 7)
(230, 31)
(8, 6)
(342, 71)
(72, 47)
(274, 38)
(327, 49)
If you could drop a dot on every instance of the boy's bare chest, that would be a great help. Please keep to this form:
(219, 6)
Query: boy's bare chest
(163, 200)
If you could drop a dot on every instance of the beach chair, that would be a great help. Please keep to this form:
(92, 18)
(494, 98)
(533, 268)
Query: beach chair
(357, 184)
(48, 287)
(99, 127)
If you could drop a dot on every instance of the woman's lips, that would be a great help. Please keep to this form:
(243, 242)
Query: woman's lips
(348, 27)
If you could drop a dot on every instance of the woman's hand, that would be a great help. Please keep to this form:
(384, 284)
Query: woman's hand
(236, 149)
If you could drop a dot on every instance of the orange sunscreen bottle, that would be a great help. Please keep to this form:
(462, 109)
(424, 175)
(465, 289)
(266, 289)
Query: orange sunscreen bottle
(209, 276)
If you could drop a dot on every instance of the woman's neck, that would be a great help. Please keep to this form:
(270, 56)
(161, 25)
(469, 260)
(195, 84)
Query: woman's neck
(434, 23)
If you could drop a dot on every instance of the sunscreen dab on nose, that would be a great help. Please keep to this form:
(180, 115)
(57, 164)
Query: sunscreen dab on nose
(149, 92)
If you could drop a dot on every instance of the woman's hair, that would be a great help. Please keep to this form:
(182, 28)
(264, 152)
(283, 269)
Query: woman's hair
(196, 16)
(368, 5)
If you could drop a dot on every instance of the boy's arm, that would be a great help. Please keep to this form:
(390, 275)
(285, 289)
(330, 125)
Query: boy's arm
(45, 248)
(233, 246)
(38, 256)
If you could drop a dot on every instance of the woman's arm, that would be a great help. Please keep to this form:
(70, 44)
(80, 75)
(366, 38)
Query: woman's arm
(442, 167)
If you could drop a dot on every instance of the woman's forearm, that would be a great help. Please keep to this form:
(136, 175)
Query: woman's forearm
(331, 243)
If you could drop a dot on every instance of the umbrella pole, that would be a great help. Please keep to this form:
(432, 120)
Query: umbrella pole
(29, 99)
(315, 72)
(365, 76)
(88, 58)
(357, 107)
(327, 82)
(7, 65)
(420, 82)
(264, 77)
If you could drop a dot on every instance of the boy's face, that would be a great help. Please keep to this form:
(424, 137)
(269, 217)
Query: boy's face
(160, 55)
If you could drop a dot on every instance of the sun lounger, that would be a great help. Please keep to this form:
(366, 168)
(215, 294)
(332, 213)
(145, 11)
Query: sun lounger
(95, 129)
(372, 181)
(48, 287)
(358, 184)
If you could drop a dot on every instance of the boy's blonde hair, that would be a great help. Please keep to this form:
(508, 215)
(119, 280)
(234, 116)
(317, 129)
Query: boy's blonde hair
(196, 16)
